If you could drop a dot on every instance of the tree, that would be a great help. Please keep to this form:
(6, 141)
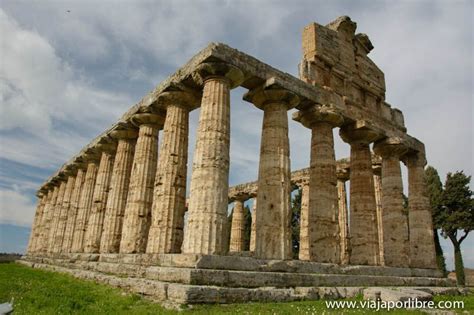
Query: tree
(435, 190)
(457, 214)
(295, 223)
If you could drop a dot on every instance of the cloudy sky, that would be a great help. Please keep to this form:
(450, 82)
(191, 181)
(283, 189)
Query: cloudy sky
(69, 69)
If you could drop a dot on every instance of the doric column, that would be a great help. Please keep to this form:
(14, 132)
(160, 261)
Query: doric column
(38, 242)
(237, 232)
(56, 215)
(378, 202)
(85, 203)
(323, 236)
(274, 186)
(95, 224)
(422, 250)
(47, 218)
(73, 208)
(342, 177)
(63, 214)
(363, 216)
(137, 216)
(36, 226)
(119, 186)
(304, 252)
(207, 212)
(394, 217)
(167, 218)
(253, 231)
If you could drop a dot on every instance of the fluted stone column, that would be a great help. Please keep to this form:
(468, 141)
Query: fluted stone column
(207, 212)
(237, 232)
(363, 215)
(119, 186)
(34, 235)
(95, 224)
(343, 221)
(85, 204)
(63, 215)
(56, 216)
(274, 186)
(394, 218)
(73, 210)
(323, 237)
(47, 219)
(304, 252)
(253, 231)
(45, 194)
(166, 231)
(137, 217)
(422, 250)
(378, 202)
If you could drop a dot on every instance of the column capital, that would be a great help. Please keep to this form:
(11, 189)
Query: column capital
(240, 196)
(148, 119)
(70, 170)
(390, 147)
(343, 174)
(301, 182)
(209, 70)
(126, 134)
(414, 159)
(360, 131)
(318, 113)
(108, 148)
(186, 99)
(270, 94)
(91, 155)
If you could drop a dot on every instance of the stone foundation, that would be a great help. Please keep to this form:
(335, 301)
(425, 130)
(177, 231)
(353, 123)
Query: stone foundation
(192, 279)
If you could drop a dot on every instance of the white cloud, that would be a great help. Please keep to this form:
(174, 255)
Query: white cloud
(16, 208)
(46, 99)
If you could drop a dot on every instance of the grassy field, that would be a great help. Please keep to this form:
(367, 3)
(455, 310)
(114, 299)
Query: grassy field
(43, 292)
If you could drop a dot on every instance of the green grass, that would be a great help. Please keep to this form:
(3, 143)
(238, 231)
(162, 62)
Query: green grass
(43, 292)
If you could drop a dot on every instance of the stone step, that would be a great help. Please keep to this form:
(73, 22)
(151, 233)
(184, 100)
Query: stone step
(248, 279)
(174, 294)
(247, 264)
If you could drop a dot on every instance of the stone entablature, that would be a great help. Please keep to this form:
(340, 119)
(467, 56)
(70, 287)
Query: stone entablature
(248, 190)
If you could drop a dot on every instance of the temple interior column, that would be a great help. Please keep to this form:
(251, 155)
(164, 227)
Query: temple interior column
(237, 232)
(63, 214)
(304, 221)
(363, 209)
(95, 224)
(394, 217)
(73, 208)
(169, 195)
(207, 213)
(422, 249)
(119, 187)
(273, 229)
(343, 218)
(378, 202)
(85, 203)
(253, 227)
(137, 217)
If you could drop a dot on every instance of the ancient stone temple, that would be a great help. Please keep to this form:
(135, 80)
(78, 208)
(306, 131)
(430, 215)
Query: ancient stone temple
(121, 211)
